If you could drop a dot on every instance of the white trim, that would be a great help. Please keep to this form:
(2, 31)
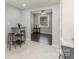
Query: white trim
(28, 39)
(46, 33)
(56, 45)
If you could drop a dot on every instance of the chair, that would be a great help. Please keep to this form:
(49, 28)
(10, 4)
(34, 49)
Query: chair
(36, 30)
(16, 37)
(19, 35)
(19, 39)
(24, 35)
(10, 40)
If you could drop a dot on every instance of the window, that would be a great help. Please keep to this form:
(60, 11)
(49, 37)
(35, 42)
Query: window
(43, 21)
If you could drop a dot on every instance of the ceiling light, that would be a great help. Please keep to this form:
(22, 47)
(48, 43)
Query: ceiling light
(24, 5)
(43, 12)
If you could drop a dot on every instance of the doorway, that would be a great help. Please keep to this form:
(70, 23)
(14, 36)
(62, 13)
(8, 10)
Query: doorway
(41, 26)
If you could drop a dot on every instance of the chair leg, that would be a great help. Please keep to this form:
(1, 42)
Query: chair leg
(24, 38)
(20, 41)
(15, 43)
(10, 48)
(10, 43)
(7, 44)
(15, 46)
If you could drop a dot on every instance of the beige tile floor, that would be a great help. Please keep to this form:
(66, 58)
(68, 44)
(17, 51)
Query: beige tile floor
(33, 50)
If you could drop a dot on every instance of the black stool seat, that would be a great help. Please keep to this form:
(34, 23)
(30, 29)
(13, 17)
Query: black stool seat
(18, 34)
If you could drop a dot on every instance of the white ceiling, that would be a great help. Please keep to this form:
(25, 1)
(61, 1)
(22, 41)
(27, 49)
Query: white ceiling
(31, 3)
(39, 11)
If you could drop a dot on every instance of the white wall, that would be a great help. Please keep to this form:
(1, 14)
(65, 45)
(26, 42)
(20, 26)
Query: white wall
(26, 21)
(12, 17)
(56, 25)
(67, 19)
(55, 22)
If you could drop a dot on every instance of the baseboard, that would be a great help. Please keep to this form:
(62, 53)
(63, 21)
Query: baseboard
(55, 45)
(28, 39)
(45, 33)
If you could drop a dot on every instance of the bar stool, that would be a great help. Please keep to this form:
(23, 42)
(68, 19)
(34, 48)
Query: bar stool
(10, 40)
(24, 35)
(18, 38)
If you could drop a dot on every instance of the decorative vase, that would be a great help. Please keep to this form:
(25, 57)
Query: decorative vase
(19, 25)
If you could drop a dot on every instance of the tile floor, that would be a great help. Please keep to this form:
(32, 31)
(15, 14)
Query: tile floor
(33, 50)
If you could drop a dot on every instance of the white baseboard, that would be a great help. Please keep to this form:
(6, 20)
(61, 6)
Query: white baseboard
(46, 32)
(28, 39)
(55, 45)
